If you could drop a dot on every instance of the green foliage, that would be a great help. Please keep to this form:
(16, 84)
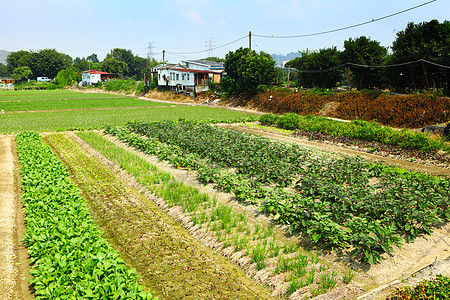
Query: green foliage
(67, 77)
(332, 202)
(269, 119)
(3, 70)
(358, 129)
(22, 73)
(115, 66)
(426, 40)
(70, 258)
(121, 85)
(246, 70)
(437, 288)
(364, 51)
(307, 65)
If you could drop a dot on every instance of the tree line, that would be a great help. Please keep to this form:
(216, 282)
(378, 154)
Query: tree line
(419, 59)
(23, 65)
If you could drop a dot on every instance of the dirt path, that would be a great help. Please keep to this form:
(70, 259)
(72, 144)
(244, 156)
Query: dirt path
(14, 265)
(432, 170)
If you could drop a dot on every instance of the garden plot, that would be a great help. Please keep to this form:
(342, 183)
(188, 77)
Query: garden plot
(405, 184)
(172, 264)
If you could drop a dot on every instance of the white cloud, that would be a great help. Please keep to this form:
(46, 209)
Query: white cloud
(194, 18)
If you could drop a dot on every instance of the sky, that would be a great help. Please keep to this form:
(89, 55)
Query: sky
(189, 29)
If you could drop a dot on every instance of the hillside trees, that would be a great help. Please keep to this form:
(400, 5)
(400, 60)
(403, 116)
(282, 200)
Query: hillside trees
(246, 70)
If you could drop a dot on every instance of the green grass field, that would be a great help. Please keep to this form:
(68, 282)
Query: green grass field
(59, 119)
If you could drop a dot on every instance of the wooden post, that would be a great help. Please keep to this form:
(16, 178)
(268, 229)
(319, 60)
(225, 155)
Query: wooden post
(425, 73)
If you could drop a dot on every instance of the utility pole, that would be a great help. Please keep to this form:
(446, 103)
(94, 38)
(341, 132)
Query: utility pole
(425, 73)
(164, 57)
(250, 40)
(150, 51)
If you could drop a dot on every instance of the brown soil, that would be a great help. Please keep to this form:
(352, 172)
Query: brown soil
(14, 265)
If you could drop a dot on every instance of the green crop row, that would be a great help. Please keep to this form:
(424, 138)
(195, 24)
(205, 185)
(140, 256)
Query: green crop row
(70, 258)
(336, 202)
(358, 129)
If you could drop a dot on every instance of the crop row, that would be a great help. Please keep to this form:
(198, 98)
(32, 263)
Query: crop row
(70, 258)
(357, 129)
(339, 203)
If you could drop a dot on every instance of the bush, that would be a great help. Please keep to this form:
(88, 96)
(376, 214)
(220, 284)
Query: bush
(121, 85)
(269, 119)
(435, 288)
(289, 121)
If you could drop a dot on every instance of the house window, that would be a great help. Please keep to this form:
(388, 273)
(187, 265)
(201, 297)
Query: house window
(187, 76)
(178, 77)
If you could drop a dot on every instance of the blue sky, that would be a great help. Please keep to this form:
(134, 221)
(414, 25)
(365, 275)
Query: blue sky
(82, 27)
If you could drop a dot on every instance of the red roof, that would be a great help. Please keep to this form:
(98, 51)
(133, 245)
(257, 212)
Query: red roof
(96, 72)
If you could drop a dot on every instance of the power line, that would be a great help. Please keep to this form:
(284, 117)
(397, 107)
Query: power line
(344, 28)
(202, 51)
(374, 66)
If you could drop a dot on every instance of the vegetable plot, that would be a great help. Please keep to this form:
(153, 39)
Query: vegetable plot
(338, 203)
(70, 258)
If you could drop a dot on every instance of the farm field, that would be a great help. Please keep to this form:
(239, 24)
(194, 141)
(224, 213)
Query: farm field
(99, 110)
(174, 198)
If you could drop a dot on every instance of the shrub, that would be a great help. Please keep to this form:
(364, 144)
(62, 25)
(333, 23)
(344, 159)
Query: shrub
(269, 119)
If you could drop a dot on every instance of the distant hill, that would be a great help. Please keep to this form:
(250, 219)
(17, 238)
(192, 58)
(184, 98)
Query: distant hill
(279, 58)
(3, 55)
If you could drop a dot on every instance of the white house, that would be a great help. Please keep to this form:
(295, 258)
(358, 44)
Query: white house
(190, 76)
(93, 76)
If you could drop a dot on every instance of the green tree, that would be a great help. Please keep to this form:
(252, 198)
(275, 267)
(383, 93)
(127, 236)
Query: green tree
(22, 73)
(48, 62)
(3, 70)
(364, 51)
(81, 64)
(17, 59)
(67, 77)
(93, 58)
(318, 68)
(246, 70)
(114, 66)
(429, 41)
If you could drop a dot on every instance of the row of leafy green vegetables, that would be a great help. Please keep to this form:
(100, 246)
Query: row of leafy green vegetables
(344, 203)
(70, 258)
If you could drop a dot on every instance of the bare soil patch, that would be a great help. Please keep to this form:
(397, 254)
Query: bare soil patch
(14, 265)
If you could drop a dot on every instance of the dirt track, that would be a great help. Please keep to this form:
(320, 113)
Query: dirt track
(14, 265)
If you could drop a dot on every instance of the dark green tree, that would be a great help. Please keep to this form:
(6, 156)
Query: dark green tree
(22, 73)
(93, 58)
(246, 70)
(67, 77)
(3, 70)
(48, 62)
(114, 66)
(17, 59)
(81, 64)
(429, 41)
(317, 69)
(363, 51)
